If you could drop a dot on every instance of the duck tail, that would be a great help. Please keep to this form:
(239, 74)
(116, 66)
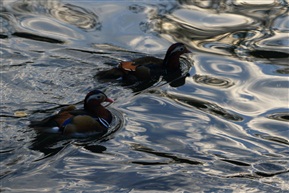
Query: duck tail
(48, 122)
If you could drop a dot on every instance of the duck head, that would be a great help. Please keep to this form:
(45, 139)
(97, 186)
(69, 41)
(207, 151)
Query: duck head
(172, 58)
(94, 99)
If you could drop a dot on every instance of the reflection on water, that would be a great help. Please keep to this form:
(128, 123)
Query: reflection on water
(222, 127)
(212, 81)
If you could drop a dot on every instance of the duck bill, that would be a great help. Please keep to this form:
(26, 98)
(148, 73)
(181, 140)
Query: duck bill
(187, 51)
(109, 100)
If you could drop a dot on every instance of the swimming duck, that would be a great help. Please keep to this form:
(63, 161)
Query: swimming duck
(146, 68)
(93, 118)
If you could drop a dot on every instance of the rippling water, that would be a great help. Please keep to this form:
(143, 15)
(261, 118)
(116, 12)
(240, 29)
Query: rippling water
(224, 130)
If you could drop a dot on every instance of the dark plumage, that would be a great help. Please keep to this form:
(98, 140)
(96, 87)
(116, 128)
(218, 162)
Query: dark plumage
(146, 68)
(93, 118)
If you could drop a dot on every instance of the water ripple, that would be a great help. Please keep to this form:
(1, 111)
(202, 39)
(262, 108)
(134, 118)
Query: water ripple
(212, 81)
(280, 116)
(68, 13)
(205, 106)
(224, 127)
(277, 42)
(7, 27)
(202, 23)
(50, 144)
(48, 27)
(77, 16)
(276, 89)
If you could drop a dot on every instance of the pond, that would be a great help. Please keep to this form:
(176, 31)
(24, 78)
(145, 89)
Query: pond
(224, 129)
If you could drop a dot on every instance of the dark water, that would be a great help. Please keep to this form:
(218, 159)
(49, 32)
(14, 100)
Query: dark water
(224, 130)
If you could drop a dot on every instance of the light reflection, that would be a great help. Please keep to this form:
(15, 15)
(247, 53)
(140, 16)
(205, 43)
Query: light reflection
(68, 13)
(205, 19)
(281, 23)
(276, 90)
(227, 122)
(269, 127)
(255, 2)
(49, 27)
(279, 41)
(222, 66)
(77, 16)
(212, 81)
(148, 45)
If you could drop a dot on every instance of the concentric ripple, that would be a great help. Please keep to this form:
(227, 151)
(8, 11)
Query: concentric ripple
(212, 81)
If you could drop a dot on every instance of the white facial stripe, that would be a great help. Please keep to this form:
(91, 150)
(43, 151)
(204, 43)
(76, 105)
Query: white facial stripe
(95, 97)
(179, 48)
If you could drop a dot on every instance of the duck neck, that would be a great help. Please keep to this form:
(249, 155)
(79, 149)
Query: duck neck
(172, 62)
(101, 112)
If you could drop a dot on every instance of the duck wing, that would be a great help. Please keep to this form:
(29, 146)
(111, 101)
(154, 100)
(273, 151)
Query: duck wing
(147, 60)
(54, 120)
(140, 67)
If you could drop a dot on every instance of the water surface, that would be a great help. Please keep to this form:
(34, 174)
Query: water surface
(224, 130)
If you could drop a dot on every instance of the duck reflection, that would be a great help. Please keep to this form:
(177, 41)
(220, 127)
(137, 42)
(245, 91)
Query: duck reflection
(205, 106)
(50, 144)
(173, 158)
(176, 79)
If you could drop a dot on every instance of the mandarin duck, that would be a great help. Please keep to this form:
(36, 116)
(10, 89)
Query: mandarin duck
(146, 68)
(93, 118)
